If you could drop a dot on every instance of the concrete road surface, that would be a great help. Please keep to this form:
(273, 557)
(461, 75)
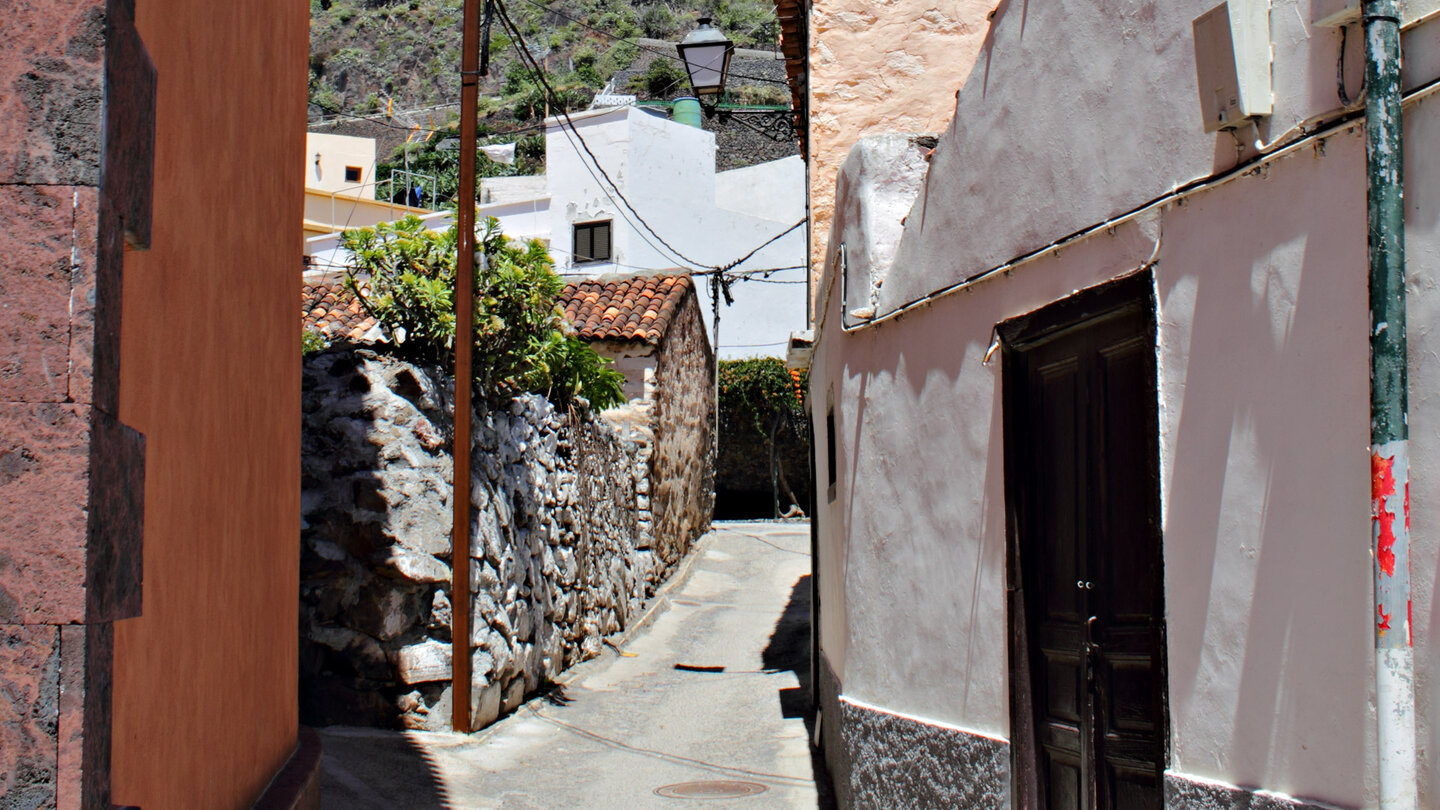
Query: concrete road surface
(702, 706)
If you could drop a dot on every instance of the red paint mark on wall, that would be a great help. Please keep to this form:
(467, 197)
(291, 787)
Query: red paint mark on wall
(1382, 488)
(1384, 619)
(1407, 505)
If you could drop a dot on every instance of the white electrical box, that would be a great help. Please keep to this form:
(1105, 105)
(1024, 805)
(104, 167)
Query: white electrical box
(1232, 62)
(1334, 13)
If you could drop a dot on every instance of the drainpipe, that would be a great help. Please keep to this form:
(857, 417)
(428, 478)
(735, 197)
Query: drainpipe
(1389, 406)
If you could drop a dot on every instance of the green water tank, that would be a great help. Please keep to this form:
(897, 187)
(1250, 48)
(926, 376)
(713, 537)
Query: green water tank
(686, 111)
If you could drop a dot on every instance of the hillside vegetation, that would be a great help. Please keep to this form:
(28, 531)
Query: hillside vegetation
(373, 56)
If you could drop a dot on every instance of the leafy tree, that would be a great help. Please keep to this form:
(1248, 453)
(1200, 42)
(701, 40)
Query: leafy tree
(404, 275)
(761, 397)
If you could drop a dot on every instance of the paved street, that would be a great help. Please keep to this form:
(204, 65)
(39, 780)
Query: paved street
(703, 702)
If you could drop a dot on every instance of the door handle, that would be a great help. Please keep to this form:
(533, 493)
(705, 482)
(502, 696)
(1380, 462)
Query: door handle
(1092, 650)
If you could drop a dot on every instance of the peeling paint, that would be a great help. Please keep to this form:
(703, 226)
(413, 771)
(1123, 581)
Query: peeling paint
(1382, 488)
(1389, 500)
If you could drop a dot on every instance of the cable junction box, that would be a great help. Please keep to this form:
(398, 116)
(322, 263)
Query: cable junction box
(1232, 63)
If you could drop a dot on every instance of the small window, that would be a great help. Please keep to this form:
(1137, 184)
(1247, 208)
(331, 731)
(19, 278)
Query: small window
(352, 174)
(830, 451)
(592, 242)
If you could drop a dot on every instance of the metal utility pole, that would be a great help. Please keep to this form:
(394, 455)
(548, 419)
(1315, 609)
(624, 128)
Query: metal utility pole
(1389, 407)
(464, 373)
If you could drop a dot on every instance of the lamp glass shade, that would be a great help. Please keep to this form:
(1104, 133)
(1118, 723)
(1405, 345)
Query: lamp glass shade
(706, 54)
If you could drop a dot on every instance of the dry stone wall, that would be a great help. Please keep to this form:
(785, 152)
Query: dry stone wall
(557, 558)
(681, 492)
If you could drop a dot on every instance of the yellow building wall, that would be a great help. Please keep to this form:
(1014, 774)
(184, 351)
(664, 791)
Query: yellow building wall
(327, 156)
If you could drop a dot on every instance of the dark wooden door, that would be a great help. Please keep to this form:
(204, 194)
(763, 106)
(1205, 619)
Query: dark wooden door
(1087, 651)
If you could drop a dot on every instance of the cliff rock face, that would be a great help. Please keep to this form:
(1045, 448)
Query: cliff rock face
(557, 559)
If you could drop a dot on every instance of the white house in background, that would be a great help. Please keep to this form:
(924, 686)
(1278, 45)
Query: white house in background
(700, 218)
(1090, 391)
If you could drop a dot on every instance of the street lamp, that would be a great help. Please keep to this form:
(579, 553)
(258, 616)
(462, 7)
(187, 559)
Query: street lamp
(706, 54)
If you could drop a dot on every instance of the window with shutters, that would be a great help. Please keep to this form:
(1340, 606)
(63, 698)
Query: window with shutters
(592, 242)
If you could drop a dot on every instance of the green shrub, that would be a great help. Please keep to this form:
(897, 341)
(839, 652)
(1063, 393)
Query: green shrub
(622, 55)
(762, 393)
(312, 341)
(766, 94)
(404, 276)
(658, 21)
(663, 78)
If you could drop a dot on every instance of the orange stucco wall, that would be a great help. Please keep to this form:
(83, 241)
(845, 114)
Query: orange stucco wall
(205, 681)
(880, 68)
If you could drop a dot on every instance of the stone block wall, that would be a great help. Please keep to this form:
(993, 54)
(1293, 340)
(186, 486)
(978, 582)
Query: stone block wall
(682, 467)
(557, 563)
(71, 473)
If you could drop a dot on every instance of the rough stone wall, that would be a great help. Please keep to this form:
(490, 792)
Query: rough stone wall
(1188, 793)
(682, 468)
(877, 759)
(881, 68)
(556, 562)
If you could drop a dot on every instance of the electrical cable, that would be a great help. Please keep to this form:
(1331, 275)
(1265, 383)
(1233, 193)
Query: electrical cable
(374, 120)
(572, 133)
(762, 246)
(1341, 120)
(570, 130)
(656, 51)
(1345, 99)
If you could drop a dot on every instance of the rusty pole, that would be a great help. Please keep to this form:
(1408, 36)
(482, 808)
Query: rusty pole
(464, 373)
(1389, 408)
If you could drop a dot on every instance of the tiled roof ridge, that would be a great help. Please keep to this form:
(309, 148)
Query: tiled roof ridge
(629, 308)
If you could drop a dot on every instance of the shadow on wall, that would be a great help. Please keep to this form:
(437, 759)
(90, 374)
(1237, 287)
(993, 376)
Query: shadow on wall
(368, 769)
(1263, 374)
(789, 651)
(358, 610)
(1285, 365)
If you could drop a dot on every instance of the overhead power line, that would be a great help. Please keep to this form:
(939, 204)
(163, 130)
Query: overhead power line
(571, 132)
(676, 57)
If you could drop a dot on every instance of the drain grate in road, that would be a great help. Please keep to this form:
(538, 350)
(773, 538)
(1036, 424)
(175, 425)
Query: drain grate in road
(712, 789)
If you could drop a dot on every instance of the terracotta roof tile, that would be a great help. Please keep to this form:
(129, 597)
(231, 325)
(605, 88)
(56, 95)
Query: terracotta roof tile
(333, 311)
(639, 308)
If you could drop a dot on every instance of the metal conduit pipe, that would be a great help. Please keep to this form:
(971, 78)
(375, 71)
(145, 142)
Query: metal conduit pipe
(1389, 407)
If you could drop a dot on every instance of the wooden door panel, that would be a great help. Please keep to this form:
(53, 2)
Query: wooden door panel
(1063, 777)
(1131, 681)
(1082, 479)
(1127, 551)
(1060, 608)
(1064, 686)
(1058, 514)
(1135, 788)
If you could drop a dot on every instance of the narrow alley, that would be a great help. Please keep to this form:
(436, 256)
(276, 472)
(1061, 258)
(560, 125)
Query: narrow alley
(703, 704)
